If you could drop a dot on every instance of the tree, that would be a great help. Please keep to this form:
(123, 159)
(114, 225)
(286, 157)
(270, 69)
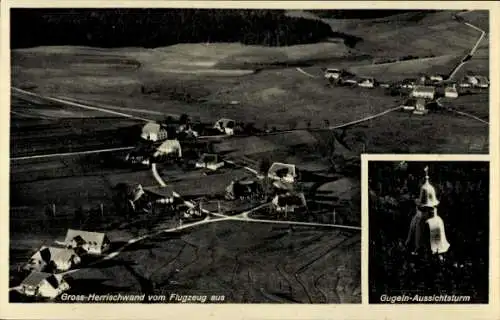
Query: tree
(184, 119)
(168, 120)
(249, 128)
(264, 165)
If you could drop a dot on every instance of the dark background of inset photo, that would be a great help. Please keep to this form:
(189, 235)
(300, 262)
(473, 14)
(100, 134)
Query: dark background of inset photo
(463, 190)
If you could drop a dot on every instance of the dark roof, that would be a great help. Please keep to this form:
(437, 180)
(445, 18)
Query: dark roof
(291, 200)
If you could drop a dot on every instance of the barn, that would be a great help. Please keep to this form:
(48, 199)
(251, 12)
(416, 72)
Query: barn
(153, 131)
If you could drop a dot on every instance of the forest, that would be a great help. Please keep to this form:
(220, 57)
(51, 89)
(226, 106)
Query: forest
(152, 28)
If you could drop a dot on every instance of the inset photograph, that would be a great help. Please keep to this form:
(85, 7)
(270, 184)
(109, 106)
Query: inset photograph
(428, 231)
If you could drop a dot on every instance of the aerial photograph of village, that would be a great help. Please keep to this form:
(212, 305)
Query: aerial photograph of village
(214, 155)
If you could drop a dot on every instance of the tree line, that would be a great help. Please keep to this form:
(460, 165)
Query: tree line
(161, 27)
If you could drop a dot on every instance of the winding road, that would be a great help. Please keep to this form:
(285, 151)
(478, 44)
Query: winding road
(467, 57)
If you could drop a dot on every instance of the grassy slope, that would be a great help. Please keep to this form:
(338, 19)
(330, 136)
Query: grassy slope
(434, 133)
(408, 69)
(408, 34)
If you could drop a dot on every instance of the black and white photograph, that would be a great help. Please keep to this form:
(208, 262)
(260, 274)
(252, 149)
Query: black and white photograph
(209, 155)
(428, 231)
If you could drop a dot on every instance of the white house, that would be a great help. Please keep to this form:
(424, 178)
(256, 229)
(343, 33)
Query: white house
(62, 258)
(366, 83)
(169, 148)
(451, 91)
(153, 131)
(91, 242)
(420, 109)
(225, 126)
(41, 284)
(426, 92)
(436, 78)
(209, 161)
(282, 172)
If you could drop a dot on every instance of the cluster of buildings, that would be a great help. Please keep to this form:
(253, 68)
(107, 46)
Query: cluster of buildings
(46, 267)
(423, 92)
(282, 191)
(165, 141)
(285, 197)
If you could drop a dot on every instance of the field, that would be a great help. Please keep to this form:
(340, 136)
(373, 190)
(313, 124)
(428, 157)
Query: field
(244, 262)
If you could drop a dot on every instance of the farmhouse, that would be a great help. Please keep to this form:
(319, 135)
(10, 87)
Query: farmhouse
(225, 126)
(289, 202)
(153, 131)
(451, 91)
(169, 148)
(282, 172)
(62, 259)
(91, 242)
(426, 92)
(366, 83)
(41, 284)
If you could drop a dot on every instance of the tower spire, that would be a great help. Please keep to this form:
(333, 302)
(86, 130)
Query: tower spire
(426, 170)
